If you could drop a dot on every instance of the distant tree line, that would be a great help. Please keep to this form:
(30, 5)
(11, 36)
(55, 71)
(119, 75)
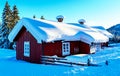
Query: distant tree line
(9, 19)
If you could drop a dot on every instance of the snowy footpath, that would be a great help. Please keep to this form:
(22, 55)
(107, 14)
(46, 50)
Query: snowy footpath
(9, 66)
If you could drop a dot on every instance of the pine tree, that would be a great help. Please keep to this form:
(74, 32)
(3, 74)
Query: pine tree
(42, 17)
(7, 16)
(15, 16)
(6, 23)
(9, 19)
(34, 16)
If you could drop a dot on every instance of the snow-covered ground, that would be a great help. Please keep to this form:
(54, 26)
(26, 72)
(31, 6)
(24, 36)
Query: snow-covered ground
(9, 66)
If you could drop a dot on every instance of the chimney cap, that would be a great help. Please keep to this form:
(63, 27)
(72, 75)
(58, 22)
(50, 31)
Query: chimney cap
(59, 16)
(81, 20)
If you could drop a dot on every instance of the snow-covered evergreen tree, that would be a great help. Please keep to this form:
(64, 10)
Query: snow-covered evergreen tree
(9, 19)
(15, 16)
(34, 16)
(42, 17)
(4, 29)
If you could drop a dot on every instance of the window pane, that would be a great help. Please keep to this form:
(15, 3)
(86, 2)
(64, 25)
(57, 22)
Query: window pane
(27, 48)
(66, 48)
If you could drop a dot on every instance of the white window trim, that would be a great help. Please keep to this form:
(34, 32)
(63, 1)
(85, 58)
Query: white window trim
(27, 48)
(65, 48)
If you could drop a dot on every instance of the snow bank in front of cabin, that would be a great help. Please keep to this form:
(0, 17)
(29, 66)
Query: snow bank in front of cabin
(107, 53)
(9, 66)
(7, 53)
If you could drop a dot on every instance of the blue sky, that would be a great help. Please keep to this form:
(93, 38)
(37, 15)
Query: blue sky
(96, 12)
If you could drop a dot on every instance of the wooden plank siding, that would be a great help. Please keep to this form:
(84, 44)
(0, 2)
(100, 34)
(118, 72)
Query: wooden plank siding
(84, 48)
(74, 47)
(35, 48)
(79, 47)
(53, 48)
(46, 48)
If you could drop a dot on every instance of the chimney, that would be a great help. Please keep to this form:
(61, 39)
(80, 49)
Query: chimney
(60, 18)
(81, 21)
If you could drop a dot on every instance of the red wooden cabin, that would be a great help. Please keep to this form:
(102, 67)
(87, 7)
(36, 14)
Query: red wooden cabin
(35, 38)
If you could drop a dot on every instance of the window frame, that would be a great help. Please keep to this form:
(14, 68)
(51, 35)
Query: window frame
(27, 48)
(65, 48)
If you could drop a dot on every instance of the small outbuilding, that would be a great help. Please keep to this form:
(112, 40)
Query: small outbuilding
(34, 38)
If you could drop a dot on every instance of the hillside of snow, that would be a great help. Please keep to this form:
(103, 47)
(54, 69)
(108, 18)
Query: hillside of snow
(115, 30)
(9, 66)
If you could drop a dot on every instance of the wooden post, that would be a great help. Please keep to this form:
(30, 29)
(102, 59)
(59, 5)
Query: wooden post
(106, 62)
(88, 62)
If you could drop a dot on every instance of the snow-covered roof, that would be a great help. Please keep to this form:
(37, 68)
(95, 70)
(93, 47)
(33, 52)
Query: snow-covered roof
(103, 30)
(100, 29)
(50, 31)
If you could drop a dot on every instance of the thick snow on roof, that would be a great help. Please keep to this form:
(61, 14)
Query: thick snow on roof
(50, 31)
(95, 28)
(103, 30)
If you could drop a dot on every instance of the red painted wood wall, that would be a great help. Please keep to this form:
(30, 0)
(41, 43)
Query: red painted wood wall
(74, 47)
(84, 48)
(78, 47)
(53, 48)
(49, 48)
(35, 48)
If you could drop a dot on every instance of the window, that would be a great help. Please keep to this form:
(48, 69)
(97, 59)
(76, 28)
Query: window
(27, 48)
(66, 48)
